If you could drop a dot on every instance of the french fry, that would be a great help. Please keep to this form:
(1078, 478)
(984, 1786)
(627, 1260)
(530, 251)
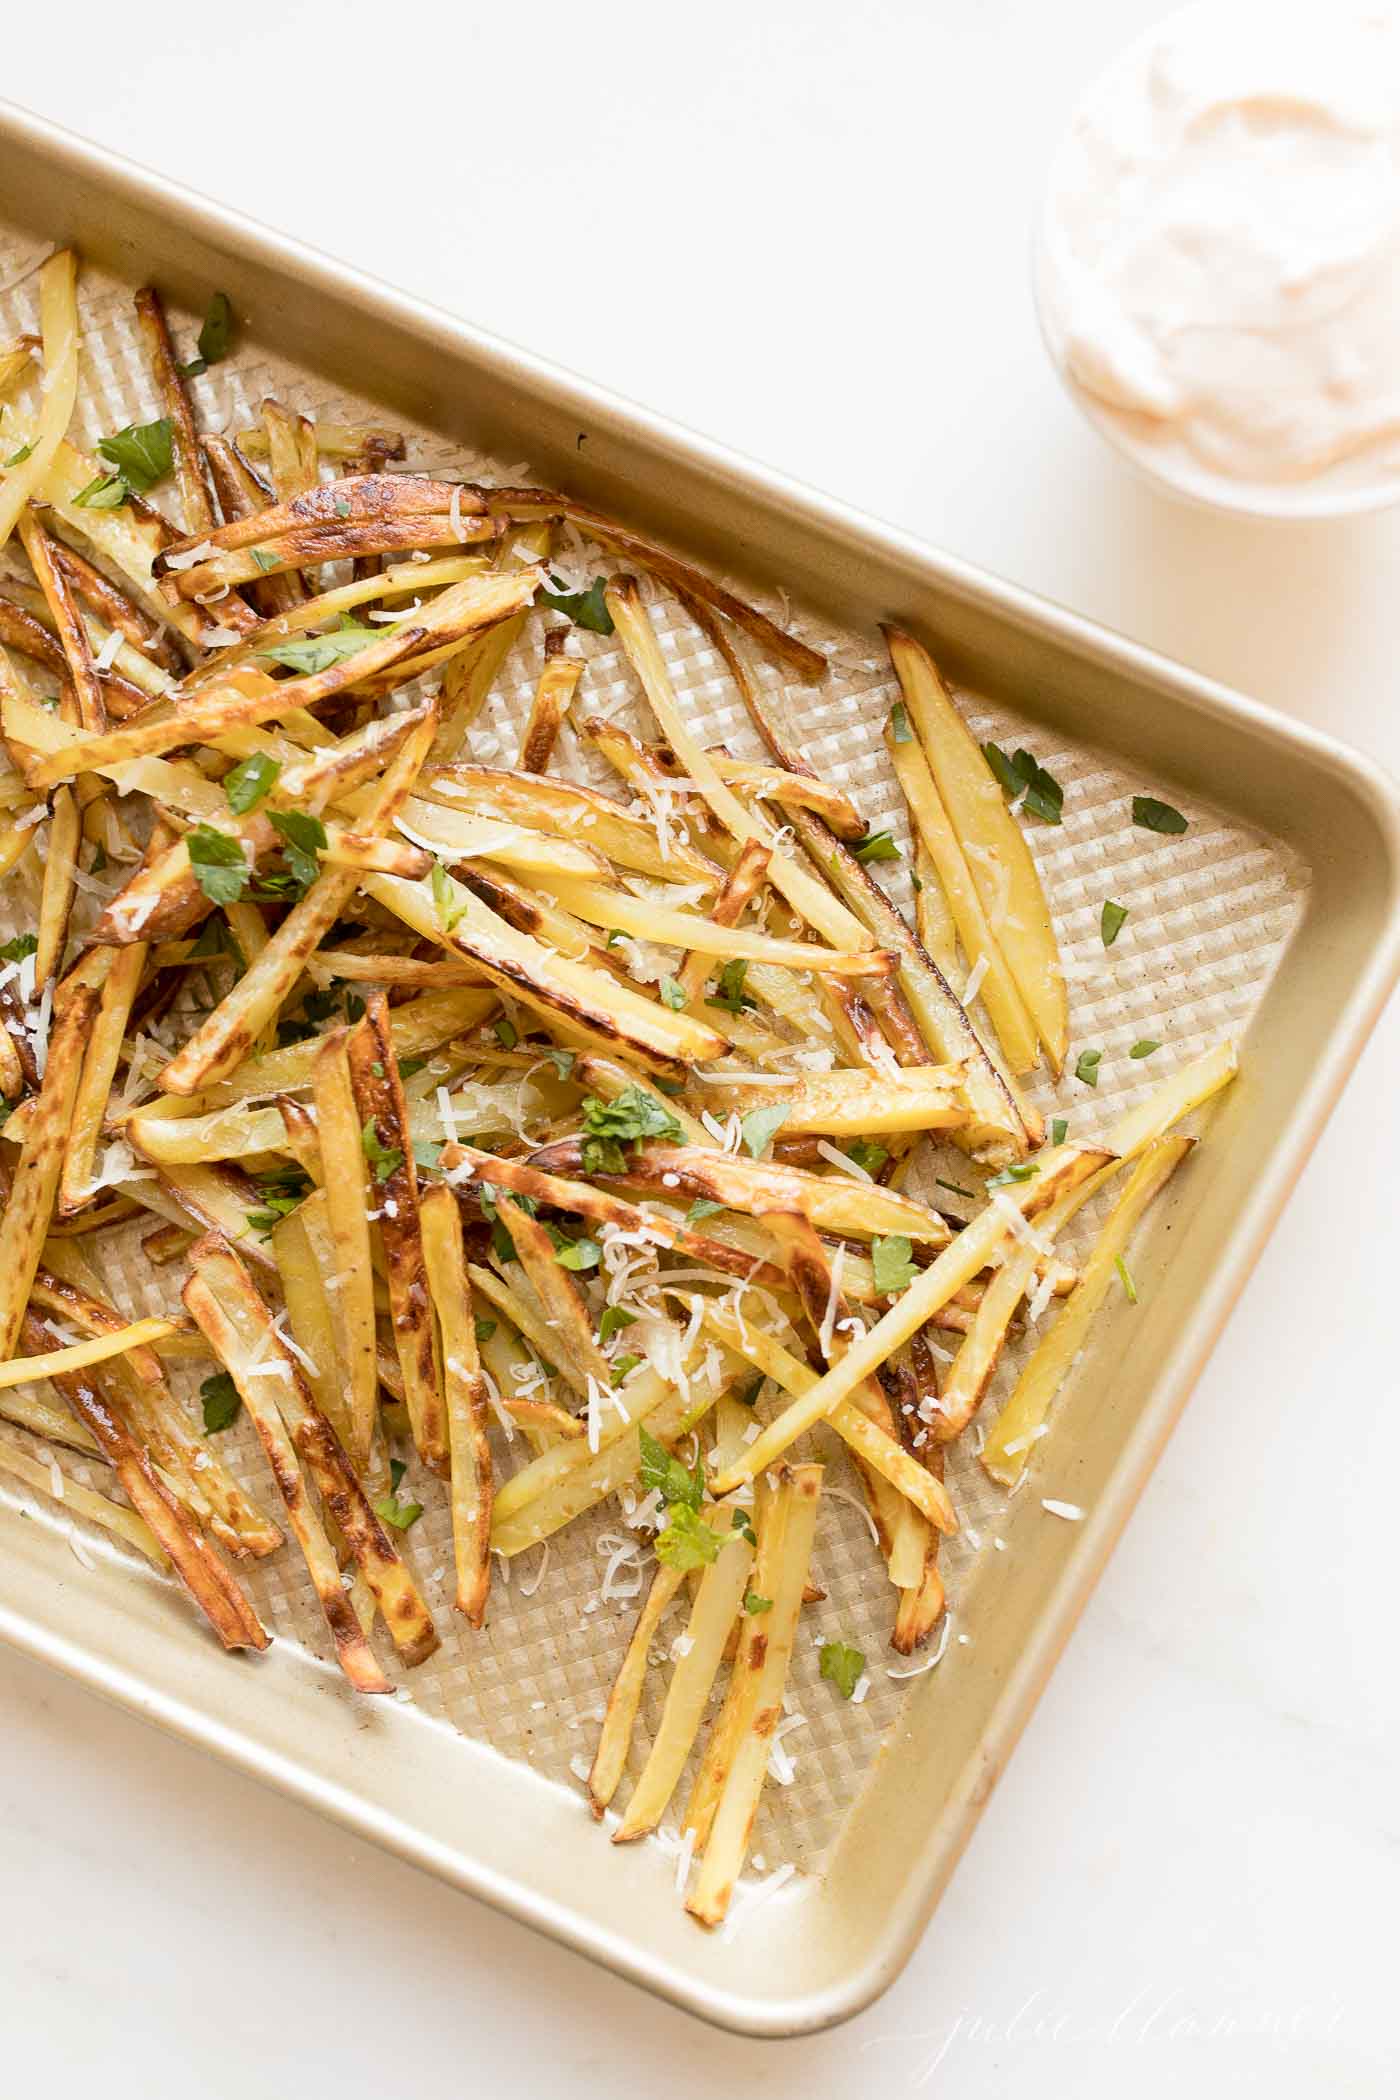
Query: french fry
(347, 1206)
(564, 806)
(932, 917)
(785, 1528)
(472, 1482)
(335, 441)
(226, 1037)
(718, 1602)
(239, 1328)
(551, 984)
(856, 1104)
(175, 401)
(217, 1593)
(68, 623)
(589, 1480)
(1002, 868)
(604, 906)
(59, 888)
(625, 1698)
(575, 1347)
(80, 1356)
(1022, 1421)
(1061, 1169)
(807, 897)
(831, 1203)
(100, 1060)
(1016, 1032)
(58, 320)
(380, 1106)
(36, 1175)
(82, 1501)
(557, 684)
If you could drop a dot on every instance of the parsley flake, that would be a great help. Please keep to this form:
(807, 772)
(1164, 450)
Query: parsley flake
(1023, 779)
(892, 1260)
(221, 1402)
(249, 781)
(585, 608)
(218, 863)
(310, 653)
(876, 845)
(1144, 1047)
(759, 1127)
(385, 1159)
(842, 1665)
(1087, 1066)
(1111, 921)
(1151, 815)
(142, 454)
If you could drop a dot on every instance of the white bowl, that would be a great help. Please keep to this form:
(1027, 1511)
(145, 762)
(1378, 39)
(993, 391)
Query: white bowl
(1348, 489)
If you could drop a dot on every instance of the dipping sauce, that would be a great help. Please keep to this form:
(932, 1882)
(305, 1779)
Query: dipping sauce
(1219, 262)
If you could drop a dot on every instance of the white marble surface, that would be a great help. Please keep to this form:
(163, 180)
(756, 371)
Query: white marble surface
(1190, 1871)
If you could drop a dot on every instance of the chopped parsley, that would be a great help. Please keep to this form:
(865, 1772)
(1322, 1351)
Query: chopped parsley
(703, 1207)
(506, 1032)
(759, 1127)
(1059, 1130)
(580, 1254)
(391, 1510)
(385, 1159)
(279, 1194)
(265, 558)
(1144, 1047)
(900, 729)
(891, 1258)
(730, 993)
(1151, 815)
(676, 1486)
(623, 1366)
(218, 863)
(672, 994)
(865, 1153)
(1023, 779)
(103, 492)
(1023, 1172)
(688, 1541)
(562, 1061)
(427, 1154)
(309, 653)
(303, 838)
(17, 459)
(142, 454)
(585, 608)
(753, 1603)
(23, 944)
(954, 1187)
(842, 1665)
(1125, 1277)
(484, 1329)
(1111, 921)
(249, 781)
(450, 900)
(609, 1125)
(1087, 1066)
(876, 845)
(221, 1402)
(215, 336)
(615, 1318)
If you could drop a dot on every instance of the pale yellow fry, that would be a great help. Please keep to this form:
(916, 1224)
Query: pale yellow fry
(588, 1483)
(59, 886)
(855, 1103)
(625, 1698)
(933, 919)
(35, 1181)
(1001, 864)
(81, 1501)
(765, 1655)
(346, 1190)
(472, 1480)
(77, 1356)
(605, 906)
(224, 1040)
(999, 993)
(1021, 1422)
(58, 322)
(99, 1070)
(964, 1258)
(718, 1600)
(808, 897)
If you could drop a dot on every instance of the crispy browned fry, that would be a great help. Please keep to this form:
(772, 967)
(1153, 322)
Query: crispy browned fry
(808, 663)
(217, 1593)
(741, 885)
(920, 1609)
(291, 450)
(175, 400)
(167, 1243)
(239, 1327)
(831, 1203)
(244, 701)
(336, 965)
(551, 983)
(445, 1261)
(347, 1205)
(118, 608)
(68, 621)
(557, 684)
(585, 1200)
(311, 545)
(340, 441)
(383, 1113)
(572, 811)
(100, 1062)
(353, 500)
(574, 1346)
(225, 1039)
(242, 493)
(40, 1163)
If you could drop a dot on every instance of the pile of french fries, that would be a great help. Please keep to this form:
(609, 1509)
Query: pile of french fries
(558, 1146)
